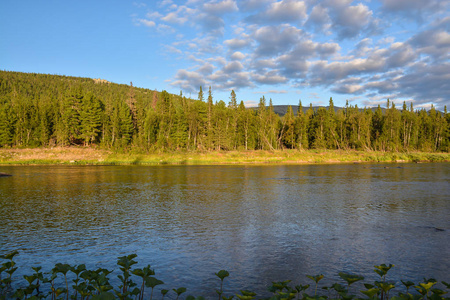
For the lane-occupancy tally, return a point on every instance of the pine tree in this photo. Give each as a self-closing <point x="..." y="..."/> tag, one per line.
<point x="330" y="127"/>
<point x="90" y="119"/>
<point x="70" y="114"/>
<point x="288" y="132"/>
<point x="181" y="128"/>
<point x="391" y="127"/>
<point x="301" y="128"/>
<point x="220" y="123"/>
<point x="233" y="119"/>
<point x="200" y="94"/>
<point x="151" y="127"/>
<point x="7" y="120"/>
<point x="125" y="125"/>
<point x="318" y="128"/>
<point x="131" y="102"/>
<point x="233" y="100"/>
<point x="210" y="130"/>
<point x="377" y="130"/>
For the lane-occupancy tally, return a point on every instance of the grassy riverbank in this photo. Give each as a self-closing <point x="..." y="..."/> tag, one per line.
<point x="92" y="156"/>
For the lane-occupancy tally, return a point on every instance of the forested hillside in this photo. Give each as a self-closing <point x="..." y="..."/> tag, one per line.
<point x="39" y="110"/>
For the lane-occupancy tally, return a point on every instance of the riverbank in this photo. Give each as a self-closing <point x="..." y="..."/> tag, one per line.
<point x="92" y="156"/>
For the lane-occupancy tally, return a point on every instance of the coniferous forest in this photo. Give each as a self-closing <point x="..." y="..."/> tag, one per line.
<point x="38" y="110"/>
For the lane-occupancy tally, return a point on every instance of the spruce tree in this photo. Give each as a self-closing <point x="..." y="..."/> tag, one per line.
<point x="90" y="119"/>
<point x="7" y="120"/>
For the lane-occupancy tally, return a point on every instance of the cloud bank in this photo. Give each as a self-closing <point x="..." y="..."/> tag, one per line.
<point x="370" y="50"/>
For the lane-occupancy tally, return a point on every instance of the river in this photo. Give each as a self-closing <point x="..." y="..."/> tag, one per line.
<point x="261" y="223"/>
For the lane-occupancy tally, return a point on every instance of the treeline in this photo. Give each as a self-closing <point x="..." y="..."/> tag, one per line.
<point x="38" y="110"/>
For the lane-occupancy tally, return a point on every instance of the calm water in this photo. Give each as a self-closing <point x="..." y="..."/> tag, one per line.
<point x="261" y="223"/>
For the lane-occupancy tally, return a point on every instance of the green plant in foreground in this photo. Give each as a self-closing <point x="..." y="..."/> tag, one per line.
<point x="350" y="279"/>
<point x="145" y="274"/>
<point x="94" y="285"/>
<point x="151" y="282"/>
<point x="282" y="290"/>
<point x="163" y="293"/>
<point x="63" y="269"/>
<point x="179" y="291"/>
<point x="299" y="288"/>
<point x="316" y="279"/>
<point x="384" y="286"/>
<point x="222" y="274"/>
<point x="125" y="263"/>
<point x="246" y="295"/>
<point x="9" y="268"/>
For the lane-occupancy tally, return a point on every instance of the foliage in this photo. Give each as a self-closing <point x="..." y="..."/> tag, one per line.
<point x="95" y="284"/>
<point x="38" y="110"/>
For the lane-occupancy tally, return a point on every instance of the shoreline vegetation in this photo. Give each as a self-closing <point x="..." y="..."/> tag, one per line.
<point x="45" y="111"/>
<point x="78" y="282"/>
<point x="98" y="156"/>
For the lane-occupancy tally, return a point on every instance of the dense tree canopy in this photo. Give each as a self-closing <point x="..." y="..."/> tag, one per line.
<point x="39" y="110"/>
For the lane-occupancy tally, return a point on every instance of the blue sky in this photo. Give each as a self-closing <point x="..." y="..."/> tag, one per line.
<point x="287" y="50"/>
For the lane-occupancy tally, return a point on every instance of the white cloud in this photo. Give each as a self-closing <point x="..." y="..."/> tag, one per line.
<point x="271" y="77"/>
<point x="147" y="23"/>
<point x="273" y="40"/>
<point x="237" y="55"/>
<point x="319" y="19"/>
<point x="165" y="29"/>
<point x="166" y="2"/>
<point x="153" y="15"/>
<point x="221" y="7"/>
<point x="237" y="43"/>
<point x="350" y="21"/>
<point x="233" y="67"/>
<point x="414" y="7"/>
<point x="272" y="92"/>
<point x="286" y="11"/>
<point x="331" y="44"/>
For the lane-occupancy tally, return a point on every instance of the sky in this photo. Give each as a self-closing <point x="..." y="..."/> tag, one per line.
<point x="286" y="50"/>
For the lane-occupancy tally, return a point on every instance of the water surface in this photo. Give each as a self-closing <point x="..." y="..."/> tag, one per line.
<point x="261" y="223"/>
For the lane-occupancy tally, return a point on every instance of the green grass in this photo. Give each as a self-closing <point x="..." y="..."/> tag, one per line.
<point x="90" y="156"/>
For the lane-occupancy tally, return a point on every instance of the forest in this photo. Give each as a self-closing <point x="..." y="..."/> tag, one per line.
<point x="39" y="110"/>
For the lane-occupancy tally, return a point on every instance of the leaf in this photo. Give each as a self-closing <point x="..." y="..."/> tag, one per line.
<point x="164" y="291"/>
<point x="222" y="274"/>
<point x="180" y="290"/>
<point x="248" y="293"/>
<point x="371" y="292"/>
<point x="386" y="286"/>
<point x="438" y="292"/>
<point x="350" y="278"/>
<point x="62" y="268"/>
<point x="427" y="286"/>
<point x="316" y="278"/>
<point x="300" y="287"/>
<point x="138" y="272"/>
<point x="135" y="292"/>
<point x="151" y="282"/>
<point x="10" y="255"/>
<point x="30" y="279"/>
<point x="383" y="269"/>
<point x="408" y="284"/>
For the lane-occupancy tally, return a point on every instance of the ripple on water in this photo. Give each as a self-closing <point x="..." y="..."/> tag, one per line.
<point x="261" y="223"/>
